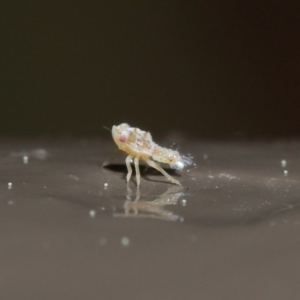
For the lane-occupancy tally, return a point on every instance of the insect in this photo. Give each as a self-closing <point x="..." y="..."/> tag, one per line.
<point x="138" y="144"/>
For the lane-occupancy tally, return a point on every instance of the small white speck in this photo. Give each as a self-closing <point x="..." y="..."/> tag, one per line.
<point x="285" y="172"/>
<point x="205" y="156"/>
<point x="10" y="202"/>
<point x="103" y="208"/>
<point x="25" y="159"/>
<point x="103" y="241"/>
<point x="183" y="202"/>
<point x="283" y="163"/>
<point x="125" y="241"/>
<point x="92" y="213"/>
<point x="45" y="187"/>
<point x="9" y="185"/>
<point x="105" y="185"/>
<point x="73" y="177"/>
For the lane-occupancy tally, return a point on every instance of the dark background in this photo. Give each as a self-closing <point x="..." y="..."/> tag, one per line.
<point x="211" y="69"/>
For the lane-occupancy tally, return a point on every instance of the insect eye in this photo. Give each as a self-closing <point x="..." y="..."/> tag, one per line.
<point x="123" y="138"/>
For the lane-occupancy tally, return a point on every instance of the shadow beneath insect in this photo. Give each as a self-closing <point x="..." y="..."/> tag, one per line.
<point x="144" y="169"/>
<point x="155" y="209"/>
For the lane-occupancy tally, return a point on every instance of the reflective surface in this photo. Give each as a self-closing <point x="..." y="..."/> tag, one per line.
<point x="72" y="229"/>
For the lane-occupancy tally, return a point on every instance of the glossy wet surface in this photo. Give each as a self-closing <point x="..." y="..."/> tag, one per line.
<point x="72" y="229"/>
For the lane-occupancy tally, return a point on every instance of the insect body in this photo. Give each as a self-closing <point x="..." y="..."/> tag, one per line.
<point x="140" y="146"/>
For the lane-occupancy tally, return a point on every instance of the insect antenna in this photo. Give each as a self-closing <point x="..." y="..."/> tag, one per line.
<point x="106" y="128"/>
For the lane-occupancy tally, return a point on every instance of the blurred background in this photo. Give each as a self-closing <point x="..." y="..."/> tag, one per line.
<point x="209" y="69"/>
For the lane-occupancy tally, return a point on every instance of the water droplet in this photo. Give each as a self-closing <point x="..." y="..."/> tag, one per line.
<point x="92" y="213"/>
<point x="283" y="163"/>
<point x="125" y="241"/>
<point x="103" y="241"/>
<point x="183" y="202"/>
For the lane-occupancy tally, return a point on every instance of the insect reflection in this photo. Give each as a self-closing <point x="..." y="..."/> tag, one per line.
<point x="138" y="208"/>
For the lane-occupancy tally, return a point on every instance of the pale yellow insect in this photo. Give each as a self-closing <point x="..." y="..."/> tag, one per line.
<point x="140" y="146"/>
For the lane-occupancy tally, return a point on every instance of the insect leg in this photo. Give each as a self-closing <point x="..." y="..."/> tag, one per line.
<point x="160" y="169"/>
<point x="128" y="161"/>
<point x="137" y="171"/>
